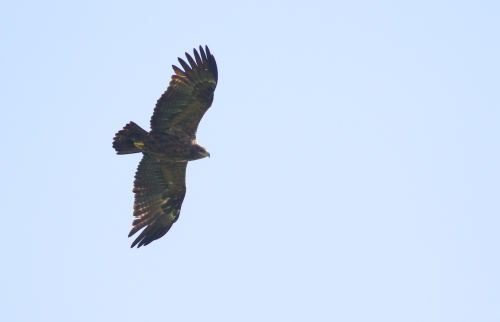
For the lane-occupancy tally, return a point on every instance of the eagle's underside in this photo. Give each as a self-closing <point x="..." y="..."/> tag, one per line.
<point x="160" y="180"/>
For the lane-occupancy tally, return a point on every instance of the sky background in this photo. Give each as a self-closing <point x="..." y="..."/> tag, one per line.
<point x="354" y="172"/>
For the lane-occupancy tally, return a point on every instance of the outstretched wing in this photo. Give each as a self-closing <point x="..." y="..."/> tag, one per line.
<point x="159" y="189"/>
<point x="189" y="95"/>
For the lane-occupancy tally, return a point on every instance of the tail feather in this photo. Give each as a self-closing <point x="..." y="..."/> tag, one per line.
<point x="123" y="141"/>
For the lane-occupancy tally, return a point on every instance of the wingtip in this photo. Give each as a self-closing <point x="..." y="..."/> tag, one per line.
<point x="178" y="71"/>
<point x="184" y="65"/>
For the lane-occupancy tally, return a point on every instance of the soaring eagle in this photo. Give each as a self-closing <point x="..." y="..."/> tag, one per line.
<point x="160" y="180"/>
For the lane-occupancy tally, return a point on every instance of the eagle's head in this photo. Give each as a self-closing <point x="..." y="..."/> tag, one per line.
<point x="200" y="152"/>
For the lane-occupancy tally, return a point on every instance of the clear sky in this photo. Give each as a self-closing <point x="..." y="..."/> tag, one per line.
<point x="354" y="172"/>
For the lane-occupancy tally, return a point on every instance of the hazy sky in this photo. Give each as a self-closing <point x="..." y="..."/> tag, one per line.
<point x="354" y="172"/>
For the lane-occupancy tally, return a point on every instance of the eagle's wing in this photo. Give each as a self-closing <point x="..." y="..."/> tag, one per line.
<point x="159" y="189"/>
<point x="189" y="95"/>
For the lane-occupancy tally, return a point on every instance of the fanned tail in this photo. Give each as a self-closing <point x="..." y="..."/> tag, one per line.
<point x="123" y="141"/>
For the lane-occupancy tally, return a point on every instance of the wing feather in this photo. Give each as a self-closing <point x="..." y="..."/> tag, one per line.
<point x="178" y="71"/>
<point x="184" y="65"/>
<point x="191" y="62"/>
<point x="199" y="62"/>
<point x="204" y="58"/>
<point x="159" y="189"/>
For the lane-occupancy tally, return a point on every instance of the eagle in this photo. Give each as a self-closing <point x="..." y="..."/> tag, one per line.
<point x="160" y="180"/>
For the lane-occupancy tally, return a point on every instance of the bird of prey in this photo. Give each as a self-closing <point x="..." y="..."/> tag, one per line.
<point x="160" y="180"/>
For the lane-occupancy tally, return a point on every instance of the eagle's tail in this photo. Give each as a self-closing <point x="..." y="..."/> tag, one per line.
<point x="129" y="139"/>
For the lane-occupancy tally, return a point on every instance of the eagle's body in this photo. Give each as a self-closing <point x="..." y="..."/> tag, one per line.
<point x="160" y="181"/>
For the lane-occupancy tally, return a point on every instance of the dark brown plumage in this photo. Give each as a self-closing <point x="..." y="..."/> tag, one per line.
<point x="160" y="180"/>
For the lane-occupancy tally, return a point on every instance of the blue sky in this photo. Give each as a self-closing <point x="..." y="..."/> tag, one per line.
<point x="354" y="172"/>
